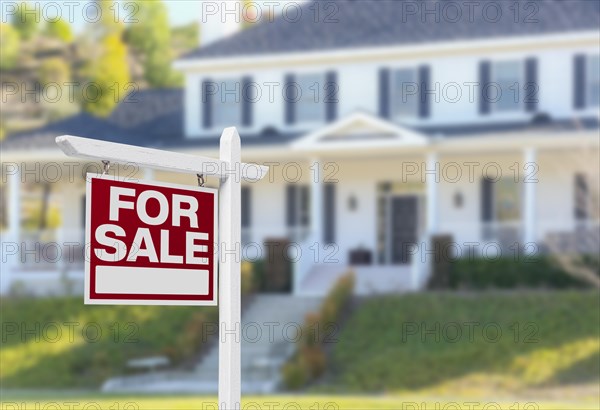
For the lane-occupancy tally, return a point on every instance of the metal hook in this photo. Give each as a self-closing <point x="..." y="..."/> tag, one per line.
<point x="105" y="167"/>
<point x="200" y="179"/>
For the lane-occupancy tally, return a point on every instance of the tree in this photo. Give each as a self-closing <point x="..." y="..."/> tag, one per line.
<point x="108" y="76"/>
<point x="59" y="29"/>
<point x="110" y="22"/>
<point x="108" y="73"/>
<point x="151" y="36"/>
<point x="54" y="70"/>
<point x="9" y="46"/>
<point x="53" y="73"/>
<point x="26" y="20"/>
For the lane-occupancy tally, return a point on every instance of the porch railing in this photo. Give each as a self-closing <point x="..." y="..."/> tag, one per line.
<point x="505" y="234"/>
<point x="50" y="250"/>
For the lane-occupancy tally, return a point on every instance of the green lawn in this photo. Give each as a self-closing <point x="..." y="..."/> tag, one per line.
<point x="549" y="341"/>
<point x="316" y="402"/>
<point x="383" y="356"/>
<point x="62" y="343"/>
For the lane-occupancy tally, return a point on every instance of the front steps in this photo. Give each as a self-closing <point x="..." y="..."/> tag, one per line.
<point x="269" y="330"/>
<point x="369" y="280"/>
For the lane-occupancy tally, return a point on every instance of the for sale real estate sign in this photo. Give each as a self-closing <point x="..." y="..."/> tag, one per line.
<point x="150" y="243"/>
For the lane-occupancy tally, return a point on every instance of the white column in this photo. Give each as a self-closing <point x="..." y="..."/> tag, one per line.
<point x="229" y="273"/>
<point x="11" y="240"/>
<point x="418" y="268"/>
<point x="69" y="234"/>
<point x="530" y="182"/>
<point x="316" y="201"/>
<point x="432" y="193"/>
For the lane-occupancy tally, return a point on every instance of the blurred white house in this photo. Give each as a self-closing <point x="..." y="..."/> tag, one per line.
<point x="385" y="123"/>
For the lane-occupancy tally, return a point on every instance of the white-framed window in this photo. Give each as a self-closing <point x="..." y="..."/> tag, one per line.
<point x="508" y="78"/>
<point x="507" y="200"/>
<point x="298" y="211"/>
<point x="593" y="80"/>
<point x="405" y="95"/>
<point x="310" y="105"/>
<point x="227" y="102"/>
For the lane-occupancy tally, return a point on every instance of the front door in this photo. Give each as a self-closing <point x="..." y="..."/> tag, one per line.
<point x="403" y="227"/>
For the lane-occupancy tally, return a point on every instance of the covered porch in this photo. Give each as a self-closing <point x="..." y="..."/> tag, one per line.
<point x="360" y="194"/>
<point x="508" y="195"/>
<point x="43" y="237"/>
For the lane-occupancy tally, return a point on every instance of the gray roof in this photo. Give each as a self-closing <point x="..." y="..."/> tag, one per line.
<point x="343" y="24"/>
<point x="80" y="124"/>
<point x="149" y="118"/>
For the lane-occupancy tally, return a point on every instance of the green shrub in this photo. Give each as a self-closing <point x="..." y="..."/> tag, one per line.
<point x="315" y="360"/>
<point x="337" y="298"/>
<point x="507" y="273"/>
<point x="248" y="278"/>
<point x="253" y="276"/>
<point x="311" y="329"/>
<point x="592" y="262"/>
<point x="295" y="375"/>
<point x="310" y="361"/>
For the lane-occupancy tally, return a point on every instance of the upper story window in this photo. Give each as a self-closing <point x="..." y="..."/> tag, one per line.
<point x="310" y="98"/>
<point x="509" y="86"/>
<point x="228" y="102"/>
<point x="227" y="107"/>
<point x="309" y="105"/>
<point x="405" y="98"/>
<point x="593" y="85"/>
<point x="508" y="79"/>
<point x="405" y="92"/>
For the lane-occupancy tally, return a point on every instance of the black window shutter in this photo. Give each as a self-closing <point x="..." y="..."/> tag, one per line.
<point x="247" y="103"/>
<point x="581" y="197"/>
<point x="384" y="93"/>
<point x="329" y="214"/>
<point x="290" y="98"/>
<point x="331" y="96"/>
<point x="579" y="80"/>
<point x="531" y="85"/>
<point x="424" y="85"/>
<point x="303" y="218"/>
<point x="206" y="103"/>
<point x="246" y="207"/>
<point x="291" y="205"/>
<point x="484" y="79"/>
<point x="487" y="197"/>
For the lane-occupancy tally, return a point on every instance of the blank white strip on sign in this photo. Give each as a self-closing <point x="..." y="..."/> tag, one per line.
<point x="157" y="281"/>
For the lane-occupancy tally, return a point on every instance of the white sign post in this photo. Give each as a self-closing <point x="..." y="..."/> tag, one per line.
<point x="230" y="171"/>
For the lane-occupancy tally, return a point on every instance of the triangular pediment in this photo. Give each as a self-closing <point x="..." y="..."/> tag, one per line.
<point x="360" y="129"/>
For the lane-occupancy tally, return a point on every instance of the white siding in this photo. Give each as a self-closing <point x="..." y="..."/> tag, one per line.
<point x="359" y="88"/>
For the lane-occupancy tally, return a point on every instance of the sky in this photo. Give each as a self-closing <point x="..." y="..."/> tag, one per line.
<point x="180" y="11"/>
<point x="75" y="11"/>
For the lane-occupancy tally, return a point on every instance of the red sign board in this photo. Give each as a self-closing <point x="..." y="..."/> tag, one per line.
<point x="150" y="243"/>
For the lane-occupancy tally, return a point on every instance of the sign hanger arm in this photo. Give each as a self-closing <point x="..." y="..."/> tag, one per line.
<point x="158" y="159"/>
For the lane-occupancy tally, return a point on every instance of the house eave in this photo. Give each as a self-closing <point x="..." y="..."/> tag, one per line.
<point x="584" y="38"/>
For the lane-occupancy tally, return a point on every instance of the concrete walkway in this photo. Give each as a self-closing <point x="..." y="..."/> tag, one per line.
<point x="269" y="332"/>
